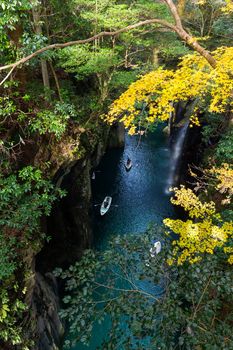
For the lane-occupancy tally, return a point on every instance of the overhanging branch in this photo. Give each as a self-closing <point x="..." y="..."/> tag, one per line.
<point x="88" y="40"/>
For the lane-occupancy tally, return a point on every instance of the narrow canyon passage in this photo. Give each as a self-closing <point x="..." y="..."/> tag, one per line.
<point x="139" y="197"/>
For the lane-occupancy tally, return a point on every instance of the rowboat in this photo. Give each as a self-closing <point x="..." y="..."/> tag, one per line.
<point x="93" y="176"/>
<point x="128" y="165"/>
<point x="105" y="205"/>
<point x="156" y="249"/>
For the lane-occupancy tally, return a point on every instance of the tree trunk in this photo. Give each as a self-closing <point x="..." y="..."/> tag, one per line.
<point x="197" y="47"/>
<point x="56" y="81"/>
<point x="38" y="30"/>
<point x="155" y="59"/>
<point x="186" y="37"/>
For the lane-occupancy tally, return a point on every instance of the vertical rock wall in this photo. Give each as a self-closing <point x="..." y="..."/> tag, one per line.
<point x="69" y="227"/>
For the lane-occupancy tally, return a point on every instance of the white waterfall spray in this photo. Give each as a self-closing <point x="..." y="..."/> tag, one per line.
<point x="176" y="156"/>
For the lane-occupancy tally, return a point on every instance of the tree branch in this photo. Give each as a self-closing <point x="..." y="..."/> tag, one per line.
<point x="187" y="37"/>
<point x="178" y="28"/>
<point x="88" y="40"/>
<point x="7" y="76"/>
<point x="174" y="13"/>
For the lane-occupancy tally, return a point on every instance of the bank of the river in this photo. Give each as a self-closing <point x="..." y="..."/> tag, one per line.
<point x="139" y="196"/>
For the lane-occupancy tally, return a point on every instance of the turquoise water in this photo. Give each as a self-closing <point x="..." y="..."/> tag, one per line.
<point x="138" y="196"/>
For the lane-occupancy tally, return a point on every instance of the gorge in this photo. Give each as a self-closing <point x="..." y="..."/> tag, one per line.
<point x="84" y="86"/>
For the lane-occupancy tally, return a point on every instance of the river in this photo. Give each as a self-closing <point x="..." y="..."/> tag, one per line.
<point x="139" y="197"/>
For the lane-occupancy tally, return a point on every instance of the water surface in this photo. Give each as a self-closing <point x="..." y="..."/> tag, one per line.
<point x="139" y="197"/>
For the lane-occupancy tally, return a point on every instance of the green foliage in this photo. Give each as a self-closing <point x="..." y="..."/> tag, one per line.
<point x="114" y="15"/>
<point x="174" y="51"/>
<point x="7" y="256"/>
<point x="32" y="42"/>
<point x="102" y="69"/>
<point x="212" y="128"/>
<point x="7" y="107"/>
<point x="11" y="309"/>
<point x="24" y="198"/>
<point x="102" y="60"/>
<point x="122" y="79"/>
<point x="148" y="304"/>
<point x="222" y="30"/>
<point x="12" y="11"/>
<point x="13" y="14"/>
<point x="224" y="150"/>
<point x="109" y="14"/>
<point x="54" y="121"/>
<point x="207" y="21"/>
<point x="84" y="100"/>
<point x="85" y="60"/>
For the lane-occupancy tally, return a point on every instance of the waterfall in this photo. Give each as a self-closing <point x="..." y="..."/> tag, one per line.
<point x="176" y="154"/>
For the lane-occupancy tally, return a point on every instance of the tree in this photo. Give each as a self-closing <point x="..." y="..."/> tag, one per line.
<point x="204" y="231"/>
<point x="36" y="13"/>
<point x="177" y="28"/>
<point x="145" y="304"/>
<point x="149" y="98"/>
<point x="25" y="197"/>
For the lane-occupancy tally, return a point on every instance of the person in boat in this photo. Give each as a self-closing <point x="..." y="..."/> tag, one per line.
<point x="128" y="161"/>
<point x="105" y="204"/>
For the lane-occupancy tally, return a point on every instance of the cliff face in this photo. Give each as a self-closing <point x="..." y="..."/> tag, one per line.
<point x="44" y="304"/>
<point x="190" y="148"/>
<point x="69" y="227"/>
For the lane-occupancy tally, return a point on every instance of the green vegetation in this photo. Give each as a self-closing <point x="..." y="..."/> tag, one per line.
<point x="192" y="311"/>
<point x="224" y="150"/>
<point x="50" y="109"/>
<point x="25" y="197"/>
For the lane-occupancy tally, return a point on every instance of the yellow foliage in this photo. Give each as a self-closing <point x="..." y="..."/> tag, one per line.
<point x="228" y="6"/>
<point x="224" y="176"/>
<point x="156" y="91"/>
<point x="186" y="198"/>
<point x="201" y="235"/>
<point x="229" y="250"/>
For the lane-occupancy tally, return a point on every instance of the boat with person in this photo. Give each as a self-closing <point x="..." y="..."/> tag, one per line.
<point x="105" y="205"/>
<point x="156" y="249"/>
<point x="128" y="164"/>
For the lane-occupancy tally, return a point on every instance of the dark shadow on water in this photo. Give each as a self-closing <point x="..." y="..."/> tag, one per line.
<point x="138" y="197"/>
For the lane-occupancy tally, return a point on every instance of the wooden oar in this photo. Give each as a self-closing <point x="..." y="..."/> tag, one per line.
<point x="114" y="205"/>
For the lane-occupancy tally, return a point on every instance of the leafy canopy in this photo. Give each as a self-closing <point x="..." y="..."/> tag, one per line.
<point x="156" y="92"/>
<point x="143" y="303"/>
<point x="204" y="234"/>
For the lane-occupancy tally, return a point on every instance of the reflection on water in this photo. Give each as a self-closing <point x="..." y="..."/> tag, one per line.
<point x="138" y="196"/>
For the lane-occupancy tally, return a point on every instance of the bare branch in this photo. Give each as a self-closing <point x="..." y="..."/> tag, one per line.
<point x="174" y="13"/>
<point x="187" y="37"/>
<point x="7" y="76"/>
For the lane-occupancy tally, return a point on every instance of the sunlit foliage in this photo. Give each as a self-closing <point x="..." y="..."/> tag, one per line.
<point x="224" y="175"/>
<point x="228" y="6"/>
<point x="118" y="285"/>
<point x="151" y="98"/>
<point x="204" y="234"/>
